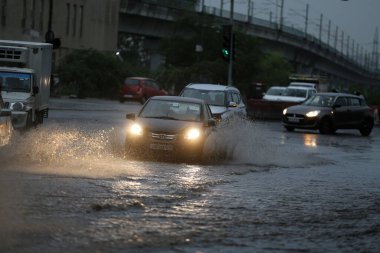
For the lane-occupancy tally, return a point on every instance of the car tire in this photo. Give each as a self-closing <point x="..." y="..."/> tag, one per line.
<point x="325" y="126"/>
<point x="366" y="127"/>
<point x="121" y="100"/>
<point x="289" y="129"/>
<point x="142" y="100"/>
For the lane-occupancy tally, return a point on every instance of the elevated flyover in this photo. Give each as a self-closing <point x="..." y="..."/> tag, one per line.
<point x="309" y="54"/>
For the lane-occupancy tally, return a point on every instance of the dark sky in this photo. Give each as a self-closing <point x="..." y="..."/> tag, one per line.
<point x="357" y="18"/>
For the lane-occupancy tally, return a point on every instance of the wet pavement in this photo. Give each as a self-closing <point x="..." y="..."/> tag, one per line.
<point x="67" y="186"/>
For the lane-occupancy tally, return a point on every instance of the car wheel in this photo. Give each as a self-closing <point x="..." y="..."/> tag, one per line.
<point x="325" y="126"/>
<point x="366" y="127"/>
<point x="290" y="129"/>
<point x="121" y="100"/>
<point x="142" y="100"/>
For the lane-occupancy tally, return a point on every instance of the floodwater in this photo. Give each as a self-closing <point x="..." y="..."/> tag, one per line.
<point x="67" y="186"/>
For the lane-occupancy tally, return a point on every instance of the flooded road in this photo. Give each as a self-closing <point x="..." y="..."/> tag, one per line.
<point x="67" y="186"/>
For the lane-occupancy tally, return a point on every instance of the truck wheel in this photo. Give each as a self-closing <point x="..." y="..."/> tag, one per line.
<point x="29" y="122"/>
<point x="40" y="117"/>
<point x="366" y="127"/>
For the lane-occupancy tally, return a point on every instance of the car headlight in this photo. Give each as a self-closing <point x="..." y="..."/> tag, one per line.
<point x="192" y="134"/>
<point x="135" y="129"/>
<point x="17" y="106"/>
<point x="312" y="114"/>
<point x="285" y="111"/>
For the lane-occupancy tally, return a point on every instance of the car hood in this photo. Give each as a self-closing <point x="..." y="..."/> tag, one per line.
<point x="302" y="109"/>
<point x="273" y="97"/>
<point x="218" y="109"/>
<point x="290" y="99"/>
<point x="15" y="96"/>
<point x="166" y="126"/>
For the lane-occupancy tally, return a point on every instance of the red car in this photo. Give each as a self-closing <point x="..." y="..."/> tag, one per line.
<point x="139" y="89"/>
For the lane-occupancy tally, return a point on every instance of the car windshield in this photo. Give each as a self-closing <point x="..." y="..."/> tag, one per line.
<point x="175" y="110"/>
<point x="212" y="97"/>
<point x="295" y="92"/>
<point x="275" y="91"/>
<point x="15" y="82"/>
<point x="320" y="101"/>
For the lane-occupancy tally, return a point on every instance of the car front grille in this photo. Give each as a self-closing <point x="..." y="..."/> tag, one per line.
<point x="163" y="136"/>
<point x="294" y="115"/>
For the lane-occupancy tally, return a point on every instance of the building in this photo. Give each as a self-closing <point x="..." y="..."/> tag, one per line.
<point x="78" y="24"/>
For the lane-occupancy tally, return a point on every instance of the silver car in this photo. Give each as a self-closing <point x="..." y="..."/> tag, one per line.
<point x="224" y="101"/>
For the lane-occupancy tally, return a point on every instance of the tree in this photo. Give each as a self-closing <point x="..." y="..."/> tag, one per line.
<point x="89" y="73"/>
<point x="274" y="69"/>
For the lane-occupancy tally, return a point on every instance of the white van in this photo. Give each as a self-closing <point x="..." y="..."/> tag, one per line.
<point x="304" y="84"/>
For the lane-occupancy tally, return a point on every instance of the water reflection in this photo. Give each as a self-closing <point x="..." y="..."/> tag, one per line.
<point x="310" y="140"/>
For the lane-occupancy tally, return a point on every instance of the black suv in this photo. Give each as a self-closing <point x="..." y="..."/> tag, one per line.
<point x="329" y="112"/>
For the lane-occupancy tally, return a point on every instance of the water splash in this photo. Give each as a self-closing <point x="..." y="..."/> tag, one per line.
<point x="241" y="141"/>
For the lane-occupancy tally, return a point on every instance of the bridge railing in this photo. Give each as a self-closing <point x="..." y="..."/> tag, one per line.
<point x="171" y="9"/>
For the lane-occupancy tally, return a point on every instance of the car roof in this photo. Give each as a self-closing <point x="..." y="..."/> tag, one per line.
<point x="178" y="99"/>
<point x="337" y="94"/>
<point x="300" y="88"/>
<point x="208" y="86"/>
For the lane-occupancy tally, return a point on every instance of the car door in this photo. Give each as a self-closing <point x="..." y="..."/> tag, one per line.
<point x="149" y="90"/>
<point x="356" y="111"/>
<point x="240" y="106"/>
<point x="341" y="112"/>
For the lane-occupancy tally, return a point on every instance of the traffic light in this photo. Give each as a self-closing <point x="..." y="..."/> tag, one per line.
<point x="226" y="47"/>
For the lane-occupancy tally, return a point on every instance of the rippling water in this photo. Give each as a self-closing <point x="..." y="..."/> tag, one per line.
<point x="259" y="191"/>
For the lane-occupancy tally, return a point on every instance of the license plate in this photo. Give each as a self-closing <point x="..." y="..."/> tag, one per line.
<point x="128" y="96"/>
<point x="159" y="146"/>
<point x="294" y="119"/>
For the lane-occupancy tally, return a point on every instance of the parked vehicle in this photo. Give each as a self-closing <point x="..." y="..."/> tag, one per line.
<point x="303" y="84"/>
<point x="297" y="93"/>
<point x="224" y="101"/>
<point x="139" y="89"/>
<point x="272" y="108"/>
<point x="329" y="112"/>
<point x="274" y="93"/>
<point x="169" y="126"/>
<point x="25" y="70"/>
<point x="5" y="124"/>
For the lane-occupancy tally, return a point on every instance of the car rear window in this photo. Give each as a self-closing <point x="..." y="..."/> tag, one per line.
<point x="131" y="82"/>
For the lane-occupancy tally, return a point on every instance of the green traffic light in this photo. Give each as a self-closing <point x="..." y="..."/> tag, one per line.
<point x="225" y="52"/>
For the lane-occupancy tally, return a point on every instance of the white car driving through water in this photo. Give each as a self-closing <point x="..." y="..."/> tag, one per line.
<point x="224" y="101"/>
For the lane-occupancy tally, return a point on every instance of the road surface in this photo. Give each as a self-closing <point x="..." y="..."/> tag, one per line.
<point x="67" y="186"/>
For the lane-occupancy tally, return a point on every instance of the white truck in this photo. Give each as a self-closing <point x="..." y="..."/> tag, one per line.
<point x="25" y="70"/>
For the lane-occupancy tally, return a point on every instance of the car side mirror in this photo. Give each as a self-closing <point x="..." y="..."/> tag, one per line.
<point x="131" y="116"/>
<point x="232" y="104"/>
